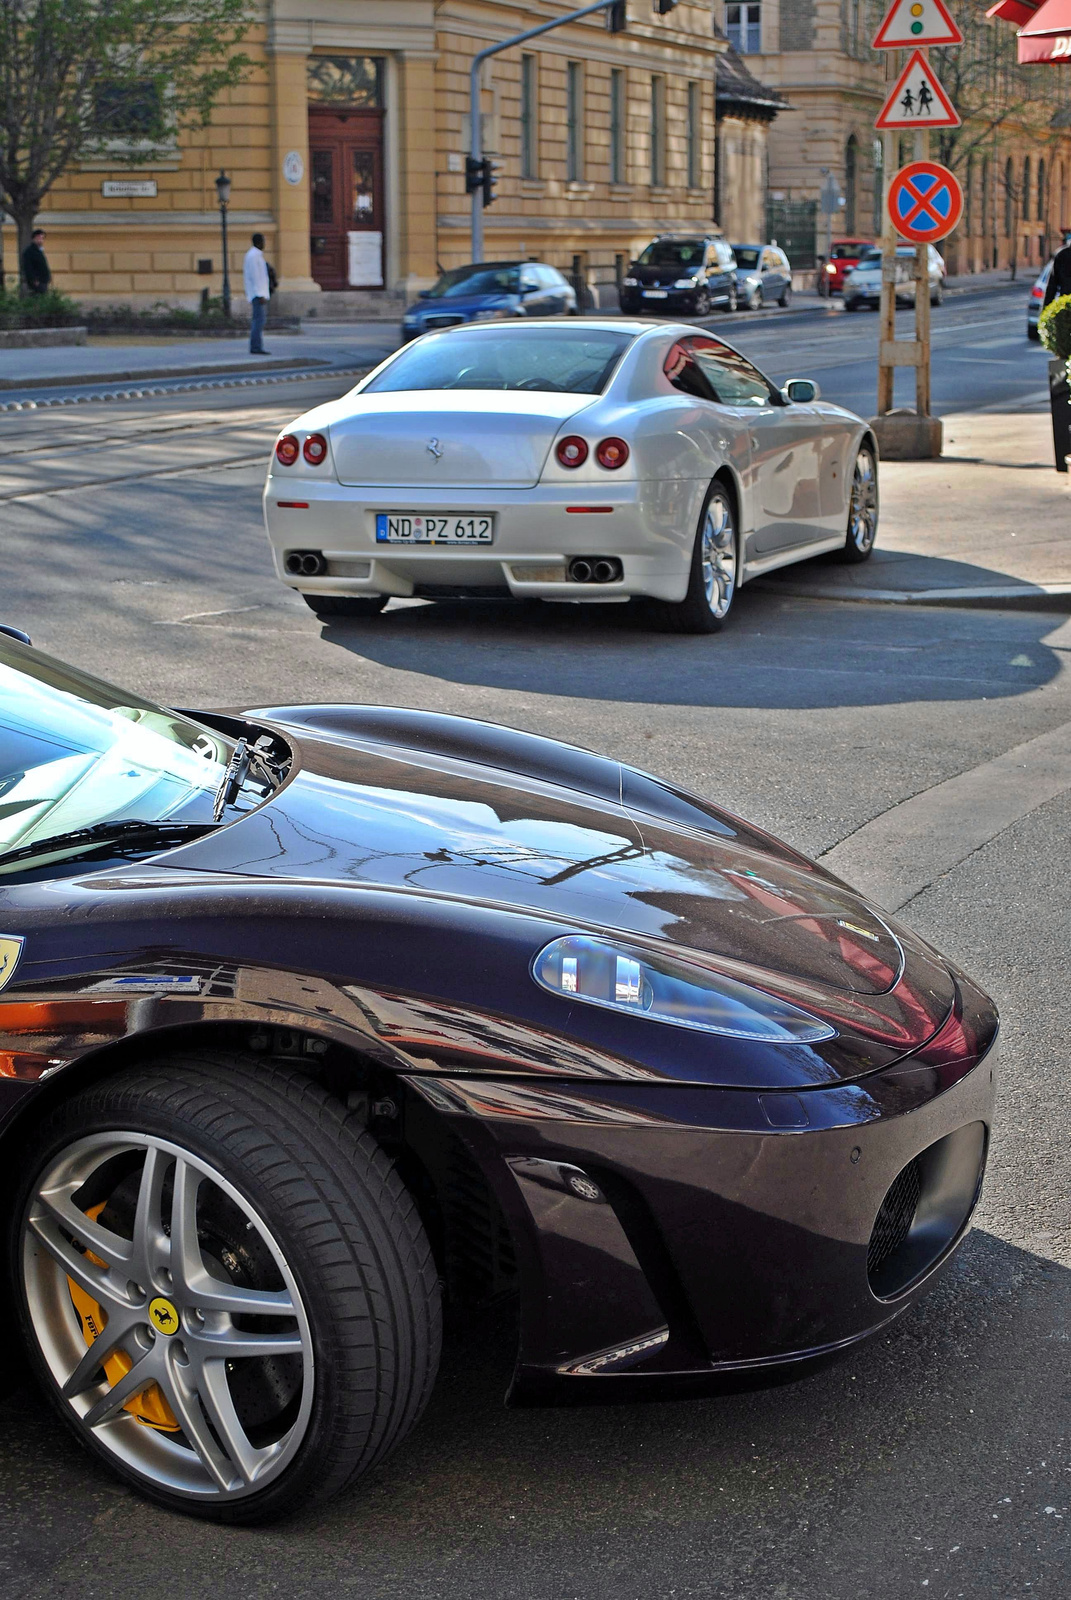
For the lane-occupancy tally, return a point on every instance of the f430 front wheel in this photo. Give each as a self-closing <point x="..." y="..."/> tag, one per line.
<point x="224" y="1286"/>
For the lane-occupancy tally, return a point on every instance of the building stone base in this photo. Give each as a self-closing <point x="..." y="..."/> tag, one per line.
<point x="342" y="305"/>
<point x="905" y="436"/>
<point x="40" y="338"/>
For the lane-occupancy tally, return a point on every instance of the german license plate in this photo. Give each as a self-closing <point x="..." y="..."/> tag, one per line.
<point x="416" y="527"/>
<point x="656" y="294"/>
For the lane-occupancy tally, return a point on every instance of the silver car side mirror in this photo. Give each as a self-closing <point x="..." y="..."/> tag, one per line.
<point x="799" y="391"/>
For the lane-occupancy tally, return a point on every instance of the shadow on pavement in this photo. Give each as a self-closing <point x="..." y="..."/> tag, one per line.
<point x="902" y="570"/>
<point x="935" y="1455"/>
<point x="771" y="654"/>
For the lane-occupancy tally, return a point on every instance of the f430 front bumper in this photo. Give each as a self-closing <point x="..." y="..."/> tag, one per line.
<point x="673" y="1237"/>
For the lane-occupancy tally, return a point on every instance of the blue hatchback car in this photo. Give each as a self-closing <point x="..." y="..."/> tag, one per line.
<point x="490" y="289"/>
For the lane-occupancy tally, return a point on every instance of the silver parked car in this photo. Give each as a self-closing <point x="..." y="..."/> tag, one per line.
<point x="1035" y="305"/>
<point x="597" y="461"/>
<point x="763" y="275"/>
<point x="862" y="286"/>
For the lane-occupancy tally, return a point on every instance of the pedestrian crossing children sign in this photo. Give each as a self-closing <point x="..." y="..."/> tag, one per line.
<point x="917" y="22"/>
<point x="917" y="99"/>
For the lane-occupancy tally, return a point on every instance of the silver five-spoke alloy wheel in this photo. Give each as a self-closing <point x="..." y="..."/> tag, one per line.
<point x="863" y="509"/>
<point x="718" y="556"/>
<point x="167" y="1315"/>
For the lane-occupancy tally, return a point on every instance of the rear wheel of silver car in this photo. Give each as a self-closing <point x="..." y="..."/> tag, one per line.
<point x="223" y="1285"/>
<point x="345" y="605"/>
<point x="712" y="577"/>
<point x="862" y="508"/>
<point x="786" y="295"/>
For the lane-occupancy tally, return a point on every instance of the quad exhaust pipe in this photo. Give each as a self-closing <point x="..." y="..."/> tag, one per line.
<point x="305" y="563"/>
<point x="595" y="569"/>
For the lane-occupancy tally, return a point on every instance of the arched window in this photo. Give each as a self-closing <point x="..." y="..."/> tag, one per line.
<point x="1040" y="213"/>
<point x="851" y="162"/>
<point x="1009" y="197"/>
<point x="985" y="196"/>
<point x="879" y="185"/>
<point x="1027" y="197"/>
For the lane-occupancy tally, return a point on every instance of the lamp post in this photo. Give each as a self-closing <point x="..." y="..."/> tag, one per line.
<point x="223" y="189"/>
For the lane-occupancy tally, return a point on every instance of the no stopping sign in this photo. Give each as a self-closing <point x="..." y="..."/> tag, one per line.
<point x="925" y="202"/>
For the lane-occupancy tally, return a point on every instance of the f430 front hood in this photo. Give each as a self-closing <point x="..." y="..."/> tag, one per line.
<point x="437" y="822"/>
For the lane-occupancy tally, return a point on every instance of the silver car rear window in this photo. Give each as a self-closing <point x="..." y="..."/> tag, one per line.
<point x="555" y="360"/>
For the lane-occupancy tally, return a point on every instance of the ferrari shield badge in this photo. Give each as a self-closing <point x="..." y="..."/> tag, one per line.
<point x="10" y="950"/>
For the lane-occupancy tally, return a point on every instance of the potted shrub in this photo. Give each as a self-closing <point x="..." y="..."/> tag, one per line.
<point x="1054" y="331"/>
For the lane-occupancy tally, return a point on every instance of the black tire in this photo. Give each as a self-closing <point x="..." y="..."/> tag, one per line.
<point x="757" y="299"/>
<point x="345" y="605"/>
<point x="937" y="296"/>
<point x="862" y="527"/>
<point x="732" y="302"/>
<point x="701" y="306"/>
<point x="699" y="611"/>
<point x="1032" y="333"/>
<point x="786" y="295"/>
<point x="851" y="305"/>
<point x="332" y="1206"/>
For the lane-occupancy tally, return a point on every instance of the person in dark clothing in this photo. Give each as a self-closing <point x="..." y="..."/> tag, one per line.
<point x="1060" y="276"/>
<point x="35" y="269"/>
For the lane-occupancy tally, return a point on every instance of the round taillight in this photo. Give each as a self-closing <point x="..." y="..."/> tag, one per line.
<point x="286" y="450"/>
<point x="315" y="449"/>
<point x="611" y="454"/>
<point x="572" y="450"/>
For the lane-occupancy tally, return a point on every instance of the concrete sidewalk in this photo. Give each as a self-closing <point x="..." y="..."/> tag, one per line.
<point x="988" y="524"/>
<point x="107" y="359"/>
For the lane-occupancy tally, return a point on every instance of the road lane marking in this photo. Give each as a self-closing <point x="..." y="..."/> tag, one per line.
<point x="897" y="855"/>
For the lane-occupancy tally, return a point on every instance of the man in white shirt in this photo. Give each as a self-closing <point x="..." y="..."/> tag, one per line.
<point x="257" y="292"/>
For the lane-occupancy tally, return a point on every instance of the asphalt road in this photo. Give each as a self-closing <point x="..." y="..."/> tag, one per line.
<point x="936" y="1460"/>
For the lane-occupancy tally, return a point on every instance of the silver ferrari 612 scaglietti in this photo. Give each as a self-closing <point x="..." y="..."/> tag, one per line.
<point x="593" y="461"/>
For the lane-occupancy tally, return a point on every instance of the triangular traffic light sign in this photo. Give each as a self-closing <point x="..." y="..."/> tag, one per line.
<point x="917" y="22"/>
<point x="918" y="100"/>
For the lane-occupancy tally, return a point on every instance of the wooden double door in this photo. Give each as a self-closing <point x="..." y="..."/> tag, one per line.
<point x="347" y="199"/>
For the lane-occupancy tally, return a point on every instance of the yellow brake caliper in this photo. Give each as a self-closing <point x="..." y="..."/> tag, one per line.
<point x="149" y="1406"/>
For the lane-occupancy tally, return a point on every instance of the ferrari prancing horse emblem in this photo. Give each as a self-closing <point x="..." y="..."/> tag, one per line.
<point x="10" y="950"/>
<point x="435" y="448"/>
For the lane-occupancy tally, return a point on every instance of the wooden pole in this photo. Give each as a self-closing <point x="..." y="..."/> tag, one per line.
<point x="922" y="300"/>
<point x="887" y="331"/>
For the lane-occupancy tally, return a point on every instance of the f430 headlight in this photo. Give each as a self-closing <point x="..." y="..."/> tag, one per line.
<point x="600" y="972"/>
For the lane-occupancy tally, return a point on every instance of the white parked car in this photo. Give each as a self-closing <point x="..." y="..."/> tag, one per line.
<point x="862" y="285"/>
<point x="574" y="462"/>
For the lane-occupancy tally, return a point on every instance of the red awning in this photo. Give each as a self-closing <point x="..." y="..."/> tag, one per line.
<point x="1046" y="36"/>
<point x="1017" y="11"/>
<point x="1044" y="27"/>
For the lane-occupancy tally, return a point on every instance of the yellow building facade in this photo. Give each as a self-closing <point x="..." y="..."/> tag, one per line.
<point x="346" y="145"/>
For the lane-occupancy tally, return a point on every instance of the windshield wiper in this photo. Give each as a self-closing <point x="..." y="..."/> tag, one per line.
<point x="128" y="833"/>
<point x="235" y="775"/>
<point x="258" y="759"/>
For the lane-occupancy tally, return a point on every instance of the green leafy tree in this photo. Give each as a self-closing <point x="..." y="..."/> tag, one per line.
<point x="122" y="77"/>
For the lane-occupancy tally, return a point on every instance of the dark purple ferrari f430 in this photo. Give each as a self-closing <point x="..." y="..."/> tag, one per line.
<point x="315" y="1017"/>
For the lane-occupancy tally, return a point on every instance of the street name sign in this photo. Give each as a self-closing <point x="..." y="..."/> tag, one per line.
<point x="917" y="22"/>
<point x="917" y="99"/>
<point x="925" y="202"/>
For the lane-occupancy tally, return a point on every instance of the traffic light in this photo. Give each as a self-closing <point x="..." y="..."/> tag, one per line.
<point x="480" y="175"/>
<point x="615" y="16"/>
